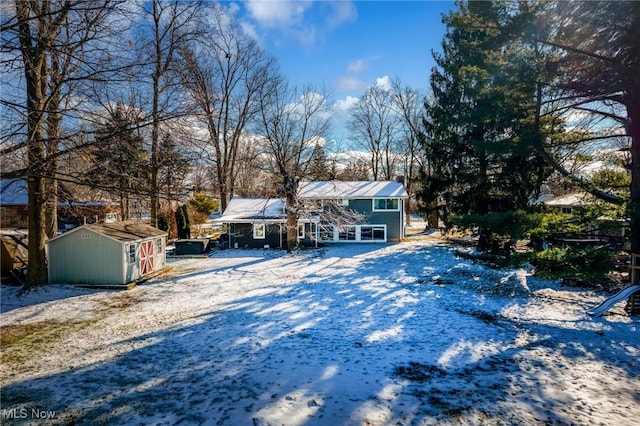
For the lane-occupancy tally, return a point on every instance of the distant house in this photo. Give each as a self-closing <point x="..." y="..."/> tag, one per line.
<point x="107" y="253"/>
<point x="574" y="202"/>
<point x="14" y="201"/>
<point x="331" y="212"/>
<point x="568" y="203"/>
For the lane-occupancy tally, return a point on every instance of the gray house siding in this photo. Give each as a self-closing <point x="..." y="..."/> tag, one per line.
<point x="86" y="257"/>
<point x="393" y="218"/>
<point x="242" y="235"/>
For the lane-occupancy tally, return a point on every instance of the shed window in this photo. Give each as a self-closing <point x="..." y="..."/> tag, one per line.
<point x="385" y="204"/>
<point x="158" y="245"/>
<point x="259" y="231"/>
<point x="131" y="249"/>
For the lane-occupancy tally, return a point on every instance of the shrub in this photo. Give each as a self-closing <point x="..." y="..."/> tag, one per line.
<point x="589" y="264"/>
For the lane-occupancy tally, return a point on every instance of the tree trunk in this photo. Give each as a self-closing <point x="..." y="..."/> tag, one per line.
<point x="37" y="267"/>
<point x="633" y="112"/>
<point x="292" y="221"/>
<point x="35" y="73"/>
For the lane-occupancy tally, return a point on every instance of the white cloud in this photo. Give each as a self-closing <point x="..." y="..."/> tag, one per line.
<point x="384" y="83"/>
<point x="349" y="84"/>
<point x="358" y="66"/>
<point x="341" y="12"/>
<point x="250" y="30"/>
<point x="346" y="103"/>
<point x="281" y="13"/>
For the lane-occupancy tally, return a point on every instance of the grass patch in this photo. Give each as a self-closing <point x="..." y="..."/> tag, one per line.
<point x="124" y="300"/>
<point x="21" y="342"/>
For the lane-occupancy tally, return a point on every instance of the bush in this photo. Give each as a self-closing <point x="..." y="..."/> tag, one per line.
<point x="589" y="264"/>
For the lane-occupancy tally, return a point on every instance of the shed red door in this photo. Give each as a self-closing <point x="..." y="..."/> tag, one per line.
<point x="146" y="257"/>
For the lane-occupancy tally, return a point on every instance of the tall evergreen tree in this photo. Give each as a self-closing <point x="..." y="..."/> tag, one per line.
<point x="601" y="77"/>
<point x="480" y="119"/>
<point x="318" y="167"/>
<point x="119" y="160"/>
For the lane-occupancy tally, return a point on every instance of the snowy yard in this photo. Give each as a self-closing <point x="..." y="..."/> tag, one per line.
<point x="403" y="334"/>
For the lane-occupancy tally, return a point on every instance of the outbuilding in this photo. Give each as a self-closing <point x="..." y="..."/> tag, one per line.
<point x="106" y="253"/>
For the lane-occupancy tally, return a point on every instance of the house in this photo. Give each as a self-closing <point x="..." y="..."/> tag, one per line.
<point x="14" y="203"/>
<point x="355" y="211"/>
<point x="106" y="253"/>
<point x="255" y="222"/>
<point x="568" y="203"/>
<point x="330" y="212"/>
<point x="598" y="230"/>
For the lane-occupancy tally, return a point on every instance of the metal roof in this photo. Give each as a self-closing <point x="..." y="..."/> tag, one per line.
<point x="351" y="189"/>
<point x="249" y="210"/>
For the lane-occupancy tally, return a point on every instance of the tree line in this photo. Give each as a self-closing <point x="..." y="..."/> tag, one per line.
<point x="149" y="103"/>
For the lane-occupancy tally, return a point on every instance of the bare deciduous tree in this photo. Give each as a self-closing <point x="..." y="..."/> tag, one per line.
<point x="408" y="104"/>
<point x="291" y="121"/>
<point x="223" y="72"/>
<point x="172" y="29"/>
<point x="49" y="42"/>
<point x="375" y="125"/>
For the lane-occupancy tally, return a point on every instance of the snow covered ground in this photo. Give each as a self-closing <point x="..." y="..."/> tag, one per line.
<point x="402" y="334"/>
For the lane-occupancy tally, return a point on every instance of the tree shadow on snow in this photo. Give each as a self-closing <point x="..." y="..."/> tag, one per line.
<point x="358" y="341"/>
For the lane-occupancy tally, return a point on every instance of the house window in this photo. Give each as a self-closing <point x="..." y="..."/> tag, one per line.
<point x="567" y="210"/>
<point x="347" y="233"/>
<point x="111" y="217"/>
<point x="373" y="233"/>
<point x="326" y="233"/>
<point x="259" y="231"/>
<point x="385" y="204"/>
<point x="131" y="250"/>
<point x="343" y="202"/>
<point x="301" y="230"/>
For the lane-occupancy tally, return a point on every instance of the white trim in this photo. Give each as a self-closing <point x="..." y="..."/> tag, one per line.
<point x="257" y="234"/>
<point x="129" y="253"/>
<point x="351" y="230"/>
<point x="374" y="209"/>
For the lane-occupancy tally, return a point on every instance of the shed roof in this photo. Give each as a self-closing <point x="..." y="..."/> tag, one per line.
<point x="249" y="210"/>
<point x="121" y="231"/>
<point x="351" y="189"/>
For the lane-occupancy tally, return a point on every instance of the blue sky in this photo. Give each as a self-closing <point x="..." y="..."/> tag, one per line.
<point x="346" y="46"/>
